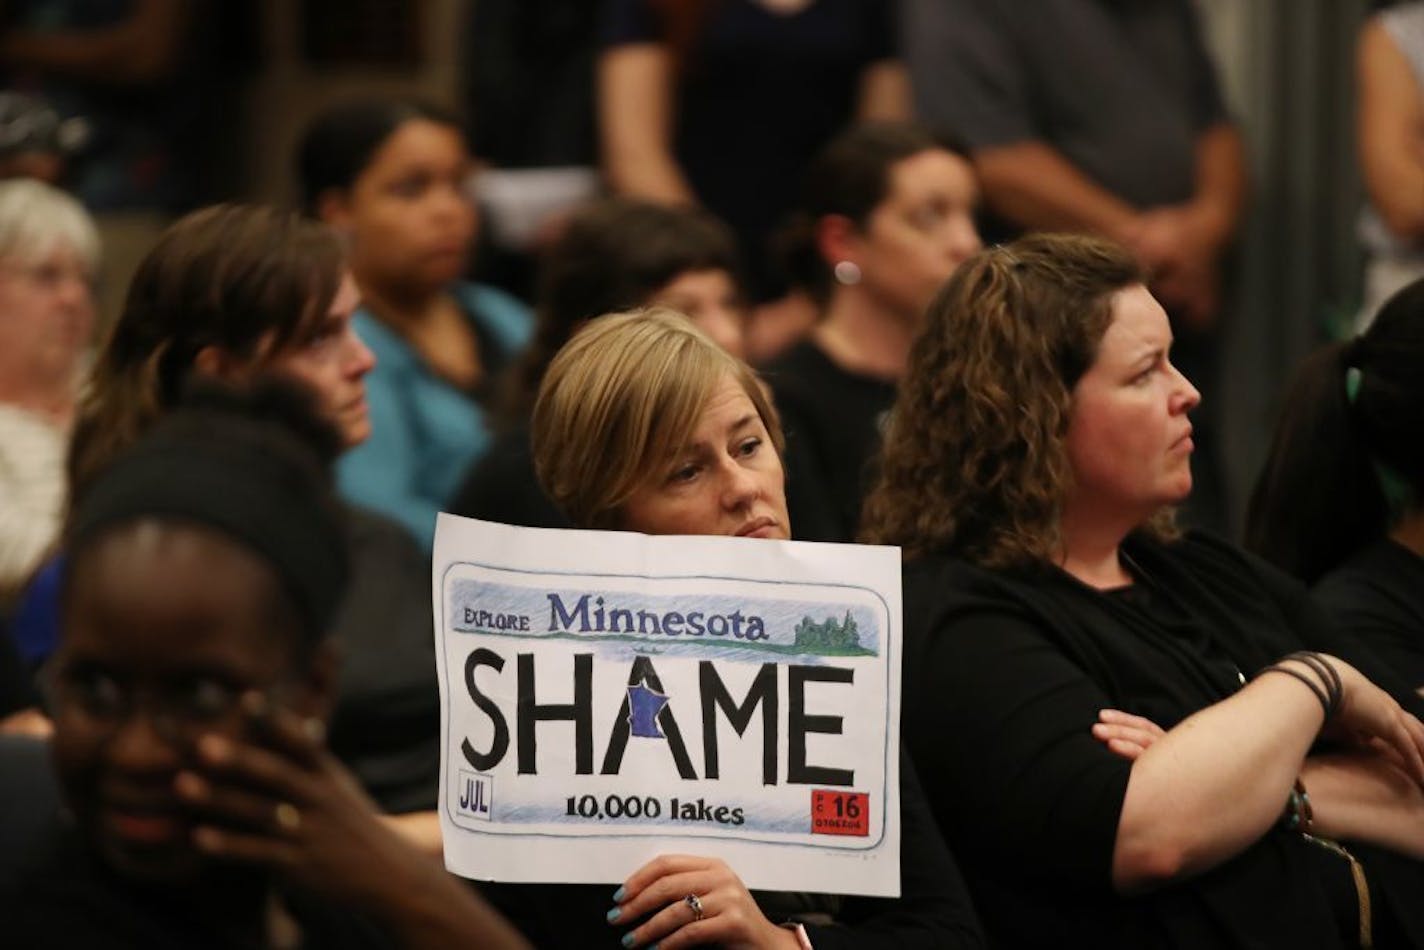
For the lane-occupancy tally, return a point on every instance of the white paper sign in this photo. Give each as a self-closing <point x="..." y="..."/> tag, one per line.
<point x="608" y="697"/>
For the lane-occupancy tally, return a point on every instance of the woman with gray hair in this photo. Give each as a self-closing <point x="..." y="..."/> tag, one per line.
<point x="49" y="251"/>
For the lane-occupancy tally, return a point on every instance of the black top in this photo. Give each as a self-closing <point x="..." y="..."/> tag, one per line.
<point x="66" y="898"/>
<point x="502" y="486"/>
<point x="386" y="725"/>
<point x="1004" y="675"/>
<point x="17" y="689"/>
<point x="833" y="421"/>
<point x="1378" y="596"/>
<point x="933" y="911"/>
<point x="758" y="94"/>
<point x="529" y="81"/>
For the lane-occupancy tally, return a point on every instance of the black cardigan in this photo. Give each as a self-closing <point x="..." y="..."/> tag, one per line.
<point x="1004" y="676"/>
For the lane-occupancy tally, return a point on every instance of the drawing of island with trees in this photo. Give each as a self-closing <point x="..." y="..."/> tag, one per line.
<point x="830" y="637"/>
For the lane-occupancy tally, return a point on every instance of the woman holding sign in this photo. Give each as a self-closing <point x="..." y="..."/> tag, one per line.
<point x="1268" y="796"/>
<point x="644" y="424"/>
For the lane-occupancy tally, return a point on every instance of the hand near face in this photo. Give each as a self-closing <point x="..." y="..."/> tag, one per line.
<point x="730" y="918"/>
<point x="291" y="807"/>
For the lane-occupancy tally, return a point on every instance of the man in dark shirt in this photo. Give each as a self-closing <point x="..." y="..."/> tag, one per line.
<point x="1099" y="116"/>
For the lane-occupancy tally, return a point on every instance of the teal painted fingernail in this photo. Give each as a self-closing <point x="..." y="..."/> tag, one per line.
<point x="618" y="895"/>
<point x="614" y="914"/>
<point x="628" y="939"/>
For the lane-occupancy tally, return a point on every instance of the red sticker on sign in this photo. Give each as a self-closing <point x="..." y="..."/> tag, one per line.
<point x="840" y="813"/>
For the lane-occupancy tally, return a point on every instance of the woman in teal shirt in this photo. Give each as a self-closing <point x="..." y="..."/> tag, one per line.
<point x="392" y="177"/>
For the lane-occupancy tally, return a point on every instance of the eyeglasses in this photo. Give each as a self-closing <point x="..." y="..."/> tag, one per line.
<point x="51" y="277"/>
<point x="181" y="710"/>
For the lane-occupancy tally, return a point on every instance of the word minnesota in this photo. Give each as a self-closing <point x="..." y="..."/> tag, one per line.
<point x="602" y="618"/>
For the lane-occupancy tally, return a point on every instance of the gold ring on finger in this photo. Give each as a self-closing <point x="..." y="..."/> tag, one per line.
<point x="288" y="818"/>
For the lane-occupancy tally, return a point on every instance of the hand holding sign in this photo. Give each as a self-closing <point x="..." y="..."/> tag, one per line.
<point x="694" y="901"/>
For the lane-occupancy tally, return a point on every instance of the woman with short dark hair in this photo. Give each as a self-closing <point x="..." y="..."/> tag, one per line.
<point x="392" y="177"/>
<point x="231" y="292"/>
<point x="887" y="214"/>
<point x="615" y="254"/>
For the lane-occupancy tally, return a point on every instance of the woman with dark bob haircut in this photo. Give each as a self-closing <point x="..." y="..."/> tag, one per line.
<point x="1121" y="731"/>
<point x="235" y="291"/>
<point x="886" y="216"/>
<point x="1339" y="501"/>
<point x="615" y="254"/>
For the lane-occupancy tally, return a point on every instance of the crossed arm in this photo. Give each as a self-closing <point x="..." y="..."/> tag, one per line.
<point x="1223" y="795"/>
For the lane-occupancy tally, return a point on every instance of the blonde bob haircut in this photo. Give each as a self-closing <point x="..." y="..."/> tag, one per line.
<point x="620" y="400"/>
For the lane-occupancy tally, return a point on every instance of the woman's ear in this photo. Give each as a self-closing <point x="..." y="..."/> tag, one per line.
<point x="219" y="363"/>
<point x="837" y="239"/>
<point x="333" y="209"/>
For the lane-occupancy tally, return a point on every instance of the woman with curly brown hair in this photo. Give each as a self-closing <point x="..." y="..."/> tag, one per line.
<point x="1038" y="443"/>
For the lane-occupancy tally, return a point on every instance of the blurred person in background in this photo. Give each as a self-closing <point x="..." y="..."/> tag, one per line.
<point x="886" y="216"/>
<point x="391" y="177"/>
<point x="1390" y="85"/>
<point x="49" y="254"/>
<point x="529" y="91"/>
<point x="1340" y="501"/>
<point x="723" y="102"/>
<point x="616" y="254"/>
<point x="34" y="141"/>
<point x="228" y="293"/>
<point x="1101" y="117"/>
<point x="142" y="75"/>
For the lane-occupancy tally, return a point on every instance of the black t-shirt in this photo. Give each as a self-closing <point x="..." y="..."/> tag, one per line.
<point x="758" y="95"/>
<point x="1378" y="596"/>
<point x="502" y="487"/>
<point x="833" y="422"/>
<point x="1004" y="676"/>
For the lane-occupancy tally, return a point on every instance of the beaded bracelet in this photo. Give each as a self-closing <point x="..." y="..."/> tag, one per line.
<point x="1299" y="816"/>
